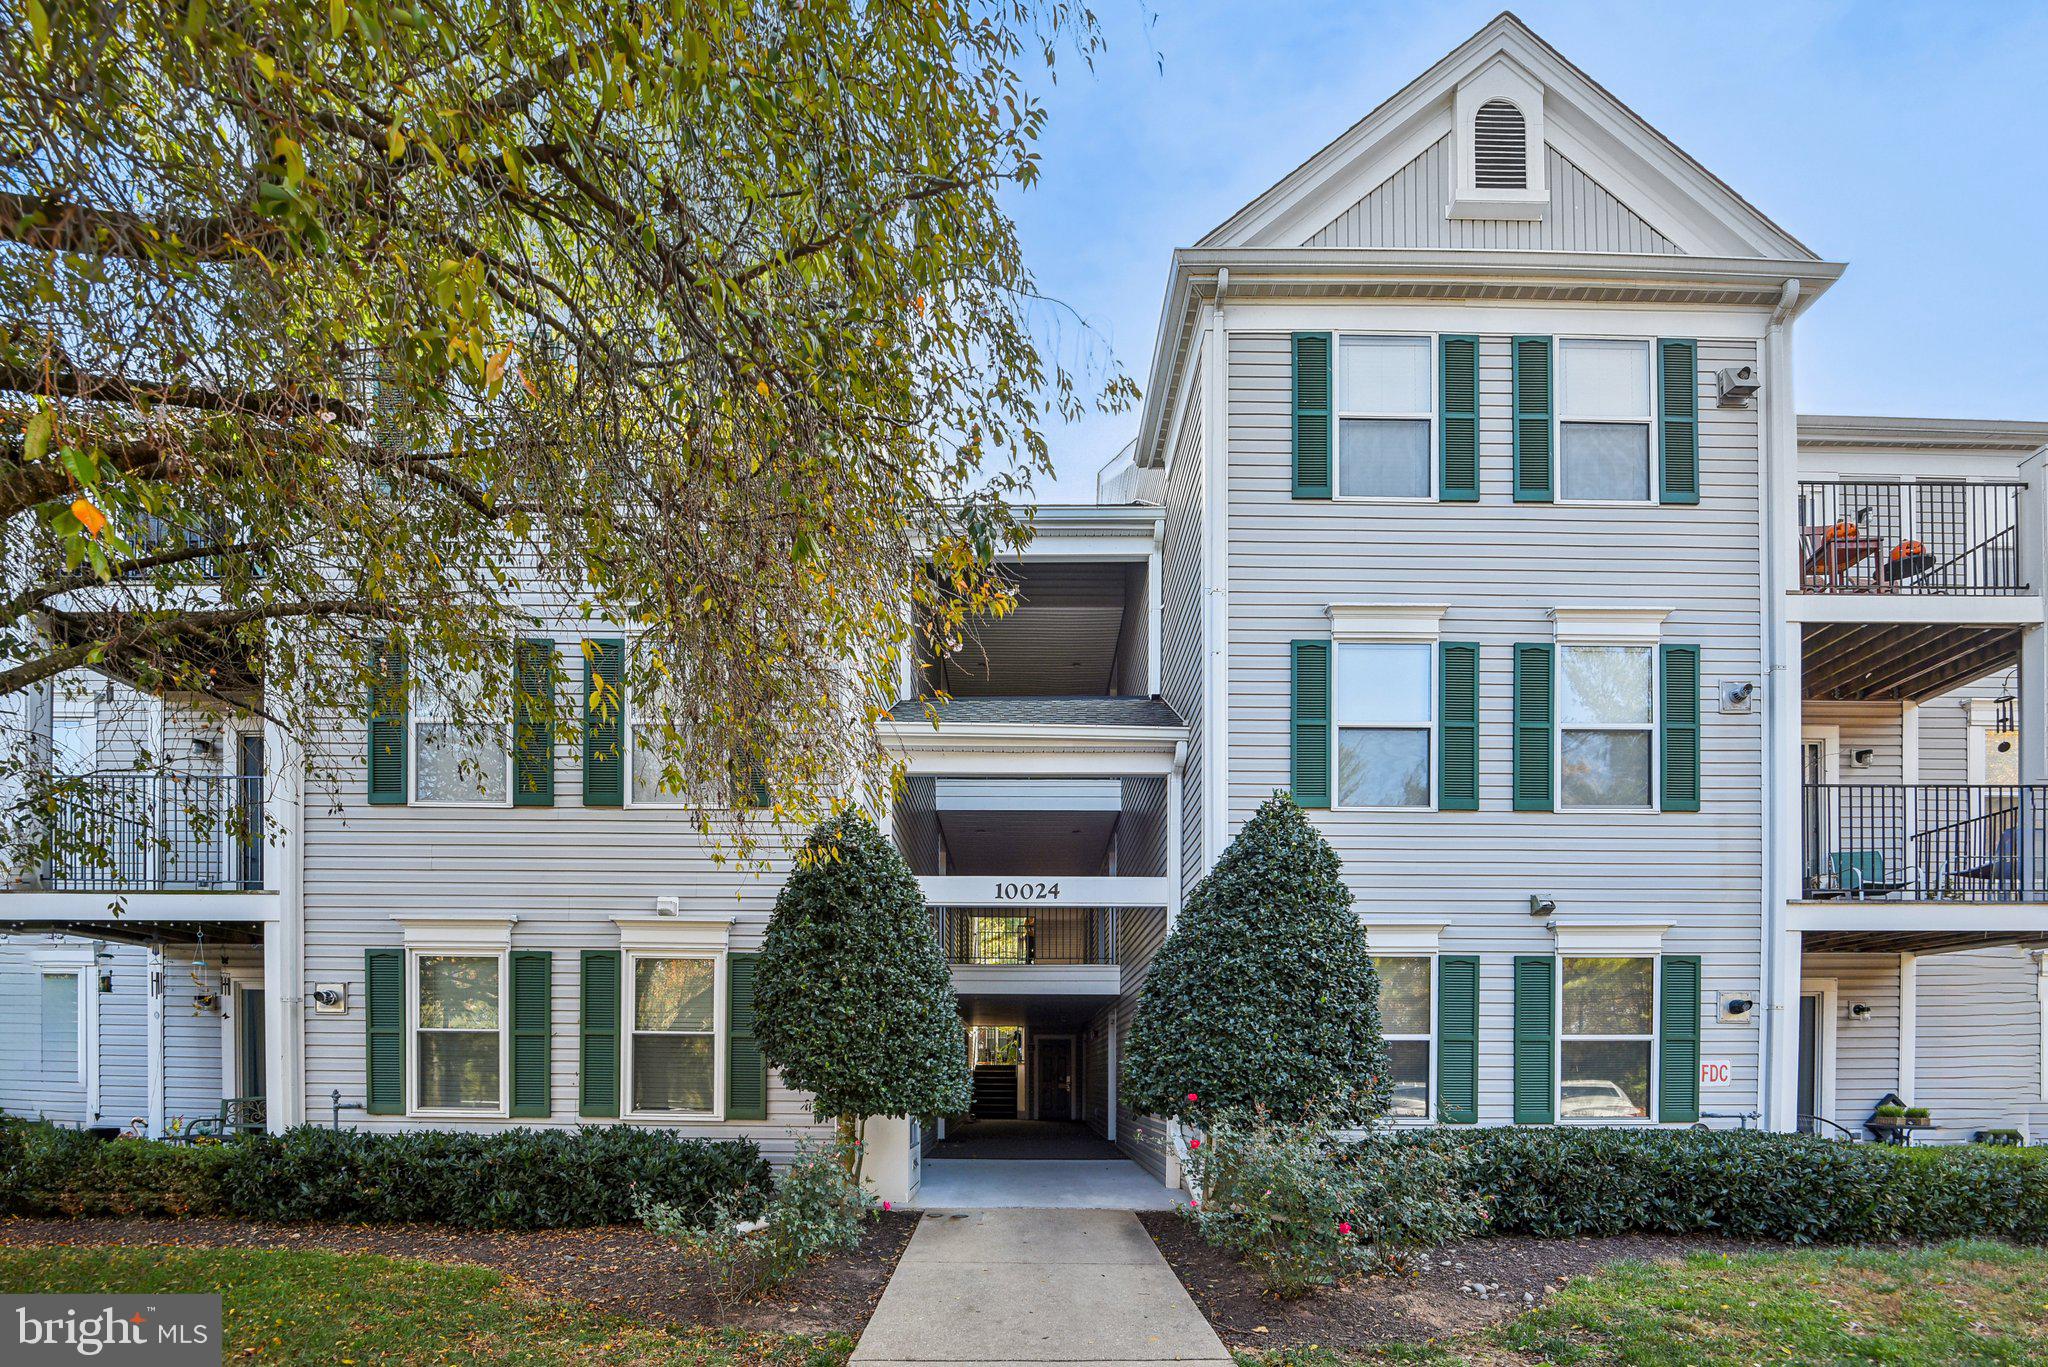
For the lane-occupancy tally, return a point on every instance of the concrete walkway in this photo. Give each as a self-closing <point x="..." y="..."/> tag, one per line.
<point x="1047" y="1184"/>
<point x="1083" y="1287"/>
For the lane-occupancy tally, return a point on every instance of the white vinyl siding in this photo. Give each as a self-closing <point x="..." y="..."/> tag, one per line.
<point x="1500" y="569"/>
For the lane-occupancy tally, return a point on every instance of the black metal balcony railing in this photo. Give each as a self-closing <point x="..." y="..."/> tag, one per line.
<point x="1056" y="935"/>
<point x="153" y="832"/>
<point x="1937" y="842"/>
<point x="1918" y="537"/>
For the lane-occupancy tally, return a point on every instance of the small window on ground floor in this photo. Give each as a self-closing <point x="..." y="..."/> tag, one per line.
<point x="59" y="1025"/>
<point x="1607" y="1038"/>
<point x="459" y="1039"/>
<point x="1405" y="1016"/>
<point x="675" y="1035"/>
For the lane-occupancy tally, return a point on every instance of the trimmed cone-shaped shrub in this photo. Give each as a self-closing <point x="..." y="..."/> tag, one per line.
<point x="853" y="1000"/>
<point x="1264" y="996"/>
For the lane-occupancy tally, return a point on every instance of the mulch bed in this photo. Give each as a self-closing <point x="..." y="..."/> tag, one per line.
<point x="1463" y="1287"/>
<point x="619" y="1269"/>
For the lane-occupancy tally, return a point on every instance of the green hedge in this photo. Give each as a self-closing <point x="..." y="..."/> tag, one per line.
<point x="1566" y="1182"/>
<point x="513" y="1179"/>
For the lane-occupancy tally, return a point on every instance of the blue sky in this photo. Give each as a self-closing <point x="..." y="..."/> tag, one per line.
<point x="1903" y="139"/>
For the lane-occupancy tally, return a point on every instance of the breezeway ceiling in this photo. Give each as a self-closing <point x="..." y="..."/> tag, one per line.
<point x="1061" y="641"/>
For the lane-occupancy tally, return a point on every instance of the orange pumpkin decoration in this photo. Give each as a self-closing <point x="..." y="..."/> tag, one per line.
<point x="1905" y="549"/>
<point x="1842" y="531"/>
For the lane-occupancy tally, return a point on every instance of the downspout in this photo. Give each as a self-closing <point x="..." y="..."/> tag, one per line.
<point x="1779" y="426"/>
<point x="2041" y="1000"/>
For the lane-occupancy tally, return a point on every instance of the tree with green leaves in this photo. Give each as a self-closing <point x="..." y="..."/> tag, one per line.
<point x="1263" y="997"/>
<point x="853" y="1000"/>
<point x="325" y="327"/>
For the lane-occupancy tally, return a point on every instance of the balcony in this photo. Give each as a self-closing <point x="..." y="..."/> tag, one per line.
<point x="1920" y="537"/>
<point x="158" y="832"/>
<point x="1926" y="842"/>
<point x="1067" y="936"/>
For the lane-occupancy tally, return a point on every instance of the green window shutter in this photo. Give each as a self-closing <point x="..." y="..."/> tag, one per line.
<point x="598" y="1048"/>
<point x="604" y="723"/>
<point x="746" y="1075"/>
<point x="1458" y="398"/>
<point x="1312" y="422"/>
<point x="384" y="1030"/>
<point x="532" y="1011"/>
<point x="1535" y="1039"/>
<point x="386" y="711"/>
<point x="1678" y="741"/>
<point x="1310" y="723"/>
<point x="1678" y="1039"/>
<point x="1457" y="783"/>
<point x="1535" y="481"/>
<point x="1678" y="421"/>
<point x="1457" y="1039"/>
<point x="1533" y="713"/>
<point x="533" y="724"/>
<point x="754" y="787"/>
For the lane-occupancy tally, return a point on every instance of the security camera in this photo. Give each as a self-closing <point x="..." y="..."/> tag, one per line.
<point x="1859" y="1011"/>
<point x="330" y="997"/>
<point x="1736" y="384"/>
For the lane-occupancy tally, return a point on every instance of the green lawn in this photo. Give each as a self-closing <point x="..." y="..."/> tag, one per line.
<point x="327" y="1308"/>
<point x="1965" y="1303"/>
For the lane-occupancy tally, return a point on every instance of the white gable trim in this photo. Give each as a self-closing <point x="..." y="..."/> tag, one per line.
<point x="1609" y="141"/>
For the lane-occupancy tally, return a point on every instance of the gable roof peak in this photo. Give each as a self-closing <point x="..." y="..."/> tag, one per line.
<point x="1660" y="180"/>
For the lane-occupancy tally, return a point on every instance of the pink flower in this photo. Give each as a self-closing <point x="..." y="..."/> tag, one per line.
<point x="885" y="1205"/>
<point x="1343" y="1226"/>
<point x="1194" y="1143"/>
<point x="1194" y="1204"/>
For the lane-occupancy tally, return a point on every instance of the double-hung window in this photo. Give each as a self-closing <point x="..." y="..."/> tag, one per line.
<point x="466" y="763"/>
<point x="1406" y="1011"/>
<point x="1607" y="716"/>
<point x="1386" y="416"/>
<point x="458" y="1032"/>
<point x="1604" y="421"/>
<point x="1607" y="1038"/>
<point x="673" y="1053"/>
<point x="61" y="1056"/>
<point x="1385" y="722"/>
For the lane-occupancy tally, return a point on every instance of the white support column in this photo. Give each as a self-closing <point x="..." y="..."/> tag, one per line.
<point x="1155" y="609"/>
<point x="1176" y="782"/>
<point x="2032" y="742"/>
<point x="89" y="1022"/>
<point x="284" y="978"/>
<point x="1216" y="583"/>
<point x="153" y="1036"/>
<point x="2041" y="1000"/>
<point x="1909" y="1024"/>
<point x="1778" y="1042"/>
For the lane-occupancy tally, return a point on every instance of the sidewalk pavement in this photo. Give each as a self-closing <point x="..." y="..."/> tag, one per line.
<point x="1082" y="1287"/>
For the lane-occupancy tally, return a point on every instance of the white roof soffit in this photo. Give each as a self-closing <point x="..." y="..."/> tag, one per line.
<point x="1580" y="112"/>
<point x="1818" y="430"/>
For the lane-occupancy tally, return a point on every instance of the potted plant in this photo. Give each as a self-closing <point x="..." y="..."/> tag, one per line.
<point x="1891" y="1120"/>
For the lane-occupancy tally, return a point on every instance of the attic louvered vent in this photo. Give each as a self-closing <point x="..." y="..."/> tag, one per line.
<point x="1500" y="143"/>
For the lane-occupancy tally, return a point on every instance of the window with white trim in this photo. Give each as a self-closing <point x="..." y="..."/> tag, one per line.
<point x="457" y="764"/>
<point x="458" y="1032"/>
<point x="1606" y="720"/>
<point x="1386" y="417"/>
<point x="1603" y="418"/>
<point x="1607" y="1037"/>
<point x="1407" y="1021"/>
<point x="74" y="736"/>
<point x="58" y="1026"/>
<point x="674" y="1053"/>
<point x="1385" y="715"/>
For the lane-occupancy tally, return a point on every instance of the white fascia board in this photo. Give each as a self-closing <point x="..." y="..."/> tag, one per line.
<point x="1617" y="625"/>
<point x="1970" y="918"/>
<point x="136" y="907"/>
<point x="1597" y="939"/>
<point x="1928" y="609"/>
<point x="1937" y="434"/>
<point x="1386" y="621"/>
<point x="457" y="932"/>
